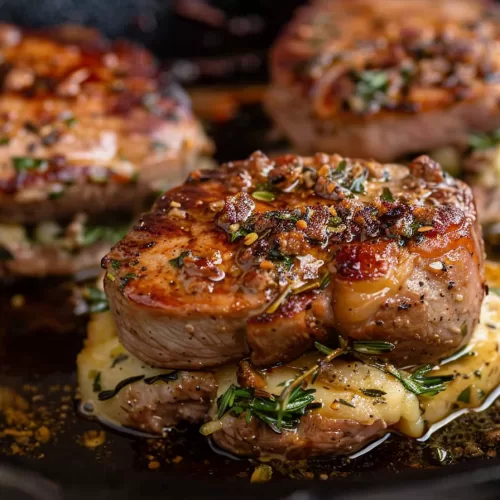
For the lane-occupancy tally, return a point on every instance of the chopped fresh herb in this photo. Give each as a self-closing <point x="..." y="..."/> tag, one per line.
<point x="178" y="261"/>
<point x="5" y="254"/>
<point x="163" y="377"/>
<point x="285" y="216"/>
<point x="159" y="146"/>
<point x="96" y="299"/>
<point x="482" y="141"/>
<point x="285" y="261"/>
<point x="70" y="120"/>
<point x="373" y="393"/>
<point x="4" y="141"/>
<point x="371" y="87"/>
<point x="111" y="277"/>
<point x="116" y="264"/>
<point x="464" y="396"/>
<point x="358" y="184"/>
<point x="481" y="394"/>
<point x="21" y="163"/>
<point x="372" y="347"/>
<point x="109" y="234"/>
<point x="345" y="403"/>
<point x="119" y="359"/>
<point x="125" y="279"/>
<point x="418" y="382"/>
<point x="239" y="234"/>
<point x="387" y="195"/>
<point x="335" y="221"/>
<point x="325" y="281"/>
<point x="105" y="395"/>
<point x="96" y="384"/>
<point x="263" y="196"/>
<point x="265" y="407"/>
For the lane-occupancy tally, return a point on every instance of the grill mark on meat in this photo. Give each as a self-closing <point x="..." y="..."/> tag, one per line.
<point x="379" y="255"/>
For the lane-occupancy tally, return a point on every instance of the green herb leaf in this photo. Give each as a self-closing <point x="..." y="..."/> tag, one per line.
<point x="345" y="403"/>
<point x="158" y="146"/>
<point x="109" y="234"/>
<point x="482" y="141"/>
<point x="373" y="393"/>
<point x="105" y="395"/>
<point x="265" y="407"/>
<point x="178" y="261"/>
<point x="116" y="264"/>
<point x="22" y="163"/>
<point x="372" y="347"/>
<point x="119" y="359"/>
<point x="96" y="384"/>
<point x="263" y="196"/>
<point x="358" y="184"/>
<point x="4" y="141"/>
<point x="125" y="279"/>
<point x="387" y="195"/>
<point x="464" y="396"/>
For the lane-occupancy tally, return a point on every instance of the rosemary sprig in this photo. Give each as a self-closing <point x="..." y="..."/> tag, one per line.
<point x="295" y="383"/>
<point x="265" y="406"/>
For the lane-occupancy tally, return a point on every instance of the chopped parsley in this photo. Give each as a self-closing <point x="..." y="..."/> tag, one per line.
<point x="464" y="396"/>
<point x="482" y="141"/>
<point x="387" y="195"/>
<point x="22" y="163"/>
<point x="119" y="359"/>
<point x="96" y="384"/>
<point x="125" y="279"/>
<point x="178" y="261"/>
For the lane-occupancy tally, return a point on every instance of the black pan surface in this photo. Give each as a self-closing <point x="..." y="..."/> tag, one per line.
<point x="46" y="450"/>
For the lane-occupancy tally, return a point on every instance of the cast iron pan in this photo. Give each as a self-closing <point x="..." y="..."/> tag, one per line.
<point x="40" y="337"/>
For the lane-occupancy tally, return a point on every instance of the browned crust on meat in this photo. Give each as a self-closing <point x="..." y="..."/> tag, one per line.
<point x="90" y="113"/>
<point x="416" y="259"/>
<point x="434" y="54"/>
<point x="382" y="79"/>
<point x="316" y="435"/>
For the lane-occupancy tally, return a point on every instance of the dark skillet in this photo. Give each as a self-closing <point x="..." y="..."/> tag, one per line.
<point x="39" y="342"/>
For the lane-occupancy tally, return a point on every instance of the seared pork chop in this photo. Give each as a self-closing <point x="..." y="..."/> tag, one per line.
<point x="263" y="257"/>
<point x="386" y="78"/>
<point x="85" y="125"/>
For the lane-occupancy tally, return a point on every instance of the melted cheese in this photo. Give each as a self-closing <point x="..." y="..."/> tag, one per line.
<point x="477" y="374"/>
